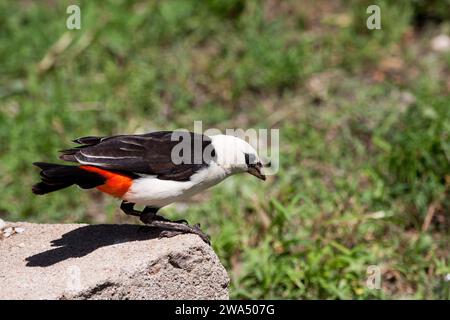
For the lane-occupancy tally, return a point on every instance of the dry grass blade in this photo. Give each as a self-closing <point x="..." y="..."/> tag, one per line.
<point x="54" y="52"/>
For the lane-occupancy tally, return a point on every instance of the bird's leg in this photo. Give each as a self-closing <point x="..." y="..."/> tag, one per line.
<point x="149" y="214"/>
<point x="128" y="208"/>
<point x="172" y="228"/>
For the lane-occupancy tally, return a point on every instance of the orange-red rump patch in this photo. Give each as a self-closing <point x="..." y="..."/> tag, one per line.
<point x="116" y="184"/>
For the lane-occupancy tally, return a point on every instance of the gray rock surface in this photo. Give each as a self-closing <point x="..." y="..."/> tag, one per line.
<point x="78" y="261"/>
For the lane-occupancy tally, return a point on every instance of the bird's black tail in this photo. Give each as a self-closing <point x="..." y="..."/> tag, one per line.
<point x="56" y="176"/>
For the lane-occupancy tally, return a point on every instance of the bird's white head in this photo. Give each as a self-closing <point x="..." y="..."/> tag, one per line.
<point x="235" y="155"/>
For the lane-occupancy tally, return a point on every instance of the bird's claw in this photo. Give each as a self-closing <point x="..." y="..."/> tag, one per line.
<point x="168" y="234"/>
<point x="174" y="230"/>
<point x="196" y="230"/>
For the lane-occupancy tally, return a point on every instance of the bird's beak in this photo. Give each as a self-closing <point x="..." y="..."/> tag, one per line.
<point x="256" y="171"/>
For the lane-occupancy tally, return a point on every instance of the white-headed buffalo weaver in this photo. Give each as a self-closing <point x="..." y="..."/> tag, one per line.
<point x="140" y="169"/>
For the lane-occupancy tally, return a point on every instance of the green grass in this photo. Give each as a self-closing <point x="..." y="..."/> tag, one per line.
<point x="363" y="117"/>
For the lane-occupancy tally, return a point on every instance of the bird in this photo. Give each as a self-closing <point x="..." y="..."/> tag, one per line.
<point x="153" y="169"/>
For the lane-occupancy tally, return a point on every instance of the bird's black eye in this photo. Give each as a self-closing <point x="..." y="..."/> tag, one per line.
<point x="250" y="159"/>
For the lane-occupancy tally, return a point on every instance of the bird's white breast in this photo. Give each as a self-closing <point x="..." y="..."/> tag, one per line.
<point x="151" y="191"/>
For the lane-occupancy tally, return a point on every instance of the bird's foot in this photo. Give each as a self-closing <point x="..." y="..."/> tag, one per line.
<point x="161" y="218"/>
<point x="182" y="221"/>
<point x="148" y="218"/>
<point x="172" y="229"/>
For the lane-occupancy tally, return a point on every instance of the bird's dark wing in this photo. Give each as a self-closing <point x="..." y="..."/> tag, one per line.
<point x="149" y="153"/>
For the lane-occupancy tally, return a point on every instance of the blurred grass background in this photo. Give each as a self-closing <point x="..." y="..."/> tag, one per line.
<point x="364" y="120"/>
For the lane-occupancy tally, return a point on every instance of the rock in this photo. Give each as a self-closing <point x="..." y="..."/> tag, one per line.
<point x="79" y="261"/>
<point x="7" y="232"/>
<point x="2" y="224"/>
<point x="19" y="230"/>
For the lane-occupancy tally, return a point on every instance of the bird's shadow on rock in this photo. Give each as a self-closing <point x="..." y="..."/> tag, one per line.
<point x="84" y="240"/>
